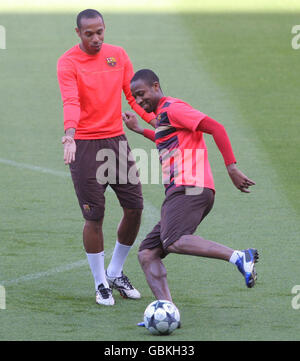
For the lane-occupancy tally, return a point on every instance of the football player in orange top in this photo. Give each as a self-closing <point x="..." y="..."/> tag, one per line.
<point x="189" y="185"/>
<point x="92" y="76"/>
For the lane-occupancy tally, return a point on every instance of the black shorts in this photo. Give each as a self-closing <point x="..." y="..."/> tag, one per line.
<point x="181" y="213"/>
<point x="99" y="163"/>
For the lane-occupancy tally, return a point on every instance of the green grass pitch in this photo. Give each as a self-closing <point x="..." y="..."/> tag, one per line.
<point x="237" y="67"/>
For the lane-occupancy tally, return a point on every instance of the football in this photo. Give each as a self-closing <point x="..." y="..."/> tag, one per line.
<point x="161" y="317"/>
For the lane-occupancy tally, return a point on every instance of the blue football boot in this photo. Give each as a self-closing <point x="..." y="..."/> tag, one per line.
<point x="246" y="265"/>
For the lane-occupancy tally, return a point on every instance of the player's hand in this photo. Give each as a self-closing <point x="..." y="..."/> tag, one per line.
<point x="239" y="179"/>
<point x="131" y="122"/>
<point x="69" y="149"/>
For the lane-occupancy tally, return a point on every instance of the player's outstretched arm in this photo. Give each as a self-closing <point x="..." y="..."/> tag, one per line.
<point x="239" y="179"/>
<point x="217" y="130"/>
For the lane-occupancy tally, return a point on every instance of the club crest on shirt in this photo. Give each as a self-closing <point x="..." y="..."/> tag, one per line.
<point x="111" y="61"/>
<point x="86" y="208"/>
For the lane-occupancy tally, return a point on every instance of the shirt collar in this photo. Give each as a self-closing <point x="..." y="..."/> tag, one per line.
<point x="160" y="103"/>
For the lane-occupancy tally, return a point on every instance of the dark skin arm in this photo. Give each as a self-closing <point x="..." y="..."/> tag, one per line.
<point x="132" y="123"/>
<point x="239" y="179"/>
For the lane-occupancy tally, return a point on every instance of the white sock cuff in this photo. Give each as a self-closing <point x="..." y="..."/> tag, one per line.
<point x="93" y="255"/>
<point x="124" y="246"/>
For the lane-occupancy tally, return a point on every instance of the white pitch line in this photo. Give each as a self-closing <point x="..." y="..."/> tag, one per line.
<point x="34" y="168"/>
<point x="50" y="272"/>
<point x="151" y="217"/>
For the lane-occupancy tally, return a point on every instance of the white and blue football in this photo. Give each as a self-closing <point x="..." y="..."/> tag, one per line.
<point x="161" y="317"/>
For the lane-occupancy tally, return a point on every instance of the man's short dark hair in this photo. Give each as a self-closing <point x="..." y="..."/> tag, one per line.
<point x="147" y="75"/>
<point x="89" y="14"/>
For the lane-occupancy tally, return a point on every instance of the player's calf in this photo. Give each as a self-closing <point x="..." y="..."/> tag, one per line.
<point x="155" y="272"/>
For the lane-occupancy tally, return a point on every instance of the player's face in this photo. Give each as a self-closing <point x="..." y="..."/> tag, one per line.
<point x="146" y="96"/>
<point x="91" y="34"/>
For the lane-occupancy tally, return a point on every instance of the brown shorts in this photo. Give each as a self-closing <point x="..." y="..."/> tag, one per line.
<point x="181" y="213"/>
<point x="99" y="163"/>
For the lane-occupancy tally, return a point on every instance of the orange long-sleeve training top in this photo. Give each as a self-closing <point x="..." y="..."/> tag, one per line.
<point x="91" y="88"/>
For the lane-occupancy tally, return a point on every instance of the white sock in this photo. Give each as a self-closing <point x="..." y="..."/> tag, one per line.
<point x="235" y="256"/>
<point x="96" y="262"/>
<point x="118" y="259"/>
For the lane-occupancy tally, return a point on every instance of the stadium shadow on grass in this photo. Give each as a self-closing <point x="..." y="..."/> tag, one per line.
<point x="239" y="69"/>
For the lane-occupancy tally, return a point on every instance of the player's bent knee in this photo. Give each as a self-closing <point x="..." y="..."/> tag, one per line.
<point x="172" y="248"/>
<point x="176" y="246"/>
<point x="96" y="225"/>
<point x="147" y="256"/>
<point x="133" y="213"/>
<point x="144" y="257"/>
